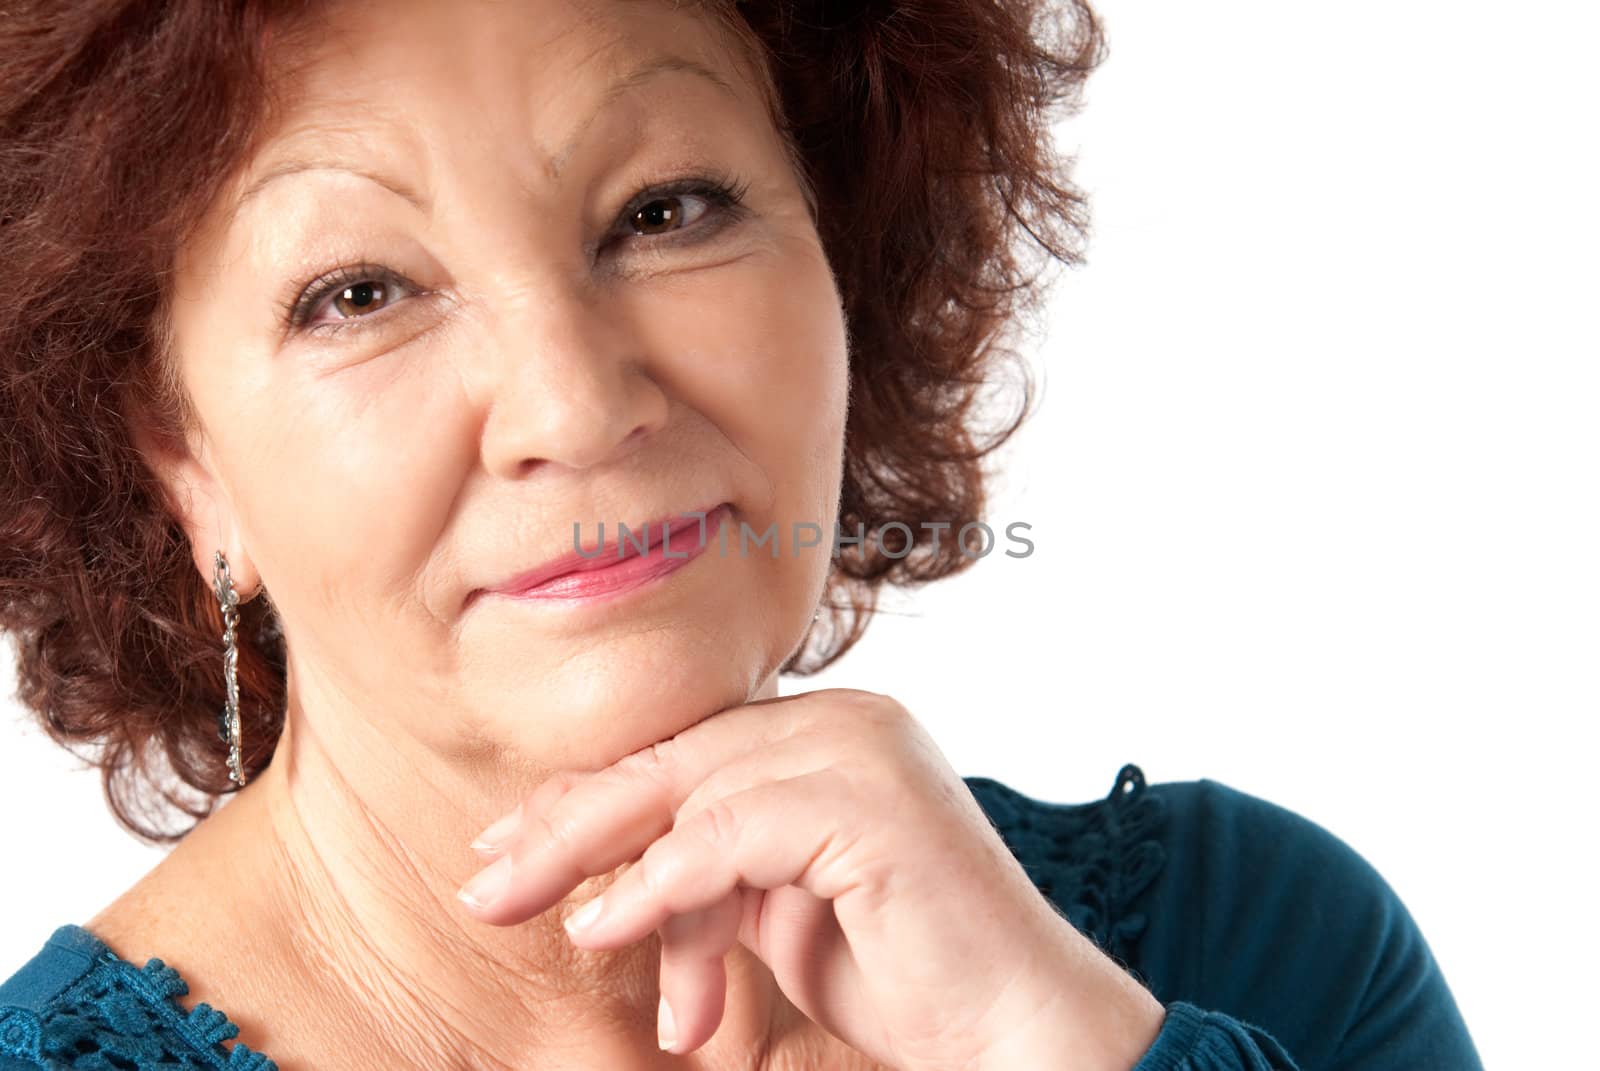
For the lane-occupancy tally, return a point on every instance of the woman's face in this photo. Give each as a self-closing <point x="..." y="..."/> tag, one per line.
<point x="535" y="332"/>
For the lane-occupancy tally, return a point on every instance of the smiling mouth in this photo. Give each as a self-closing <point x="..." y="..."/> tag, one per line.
<point x="618" y="566"/>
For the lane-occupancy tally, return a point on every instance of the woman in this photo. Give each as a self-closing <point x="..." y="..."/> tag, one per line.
<point x="448" y="359"/>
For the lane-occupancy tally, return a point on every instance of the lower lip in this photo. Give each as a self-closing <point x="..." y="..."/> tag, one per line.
<point x="630" y="573"/>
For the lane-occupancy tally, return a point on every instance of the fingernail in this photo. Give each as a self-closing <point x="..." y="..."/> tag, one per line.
<point x="585" y="915"/>
<point x="499" y="832"/>
<point x="666" y="1029"/>
<point x="489" y="885"/>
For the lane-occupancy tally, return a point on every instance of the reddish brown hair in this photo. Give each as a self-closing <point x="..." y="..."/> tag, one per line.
<point x="923" y="128"/>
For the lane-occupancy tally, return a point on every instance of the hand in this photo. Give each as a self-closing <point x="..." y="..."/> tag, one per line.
<point x="827" y="833"/>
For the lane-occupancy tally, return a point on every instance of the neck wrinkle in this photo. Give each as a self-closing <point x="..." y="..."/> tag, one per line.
<point x="402" y="966"/>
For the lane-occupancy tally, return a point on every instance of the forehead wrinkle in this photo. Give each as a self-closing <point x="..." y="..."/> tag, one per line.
<point x="626" y="84"/>
<point x="336" y="146"/>
<point x="326" y="157"/>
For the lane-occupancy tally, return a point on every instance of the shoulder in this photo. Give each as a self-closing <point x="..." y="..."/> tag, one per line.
<point x="35" y="991"/>
<point x="1251" y="877"/>
<point x="66" y="956"/>
<point x="1265" y="911"/>
<point x="76" y="999"/>
<point x="1234" y="903"/>
<point x="1234" y="847"/>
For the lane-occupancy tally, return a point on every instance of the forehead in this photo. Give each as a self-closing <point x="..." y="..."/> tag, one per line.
<point x="362" y="86"/>
<point x="391" y="55"/>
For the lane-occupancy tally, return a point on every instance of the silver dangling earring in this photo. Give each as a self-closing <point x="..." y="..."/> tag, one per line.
<point x="228" y="719"/>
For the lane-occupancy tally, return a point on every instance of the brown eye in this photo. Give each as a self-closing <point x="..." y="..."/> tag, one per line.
<point x="662" y="215"/>
<point x="363" y="297"/>
<point x="347" y="296"/>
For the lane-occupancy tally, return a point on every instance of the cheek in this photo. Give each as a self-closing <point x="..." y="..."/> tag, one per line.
<point x="349" y="480"/>
<point x="759" y="349"/>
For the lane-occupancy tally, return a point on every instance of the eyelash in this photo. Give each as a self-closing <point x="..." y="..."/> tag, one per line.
<point x="724" y="193"/>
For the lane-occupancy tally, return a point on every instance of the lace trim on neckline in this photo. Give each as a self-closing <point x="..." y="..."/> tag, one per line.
<point x="203" y="1027"/>
<point x="119" y="1015"/>
<point x="1092" y="860"/>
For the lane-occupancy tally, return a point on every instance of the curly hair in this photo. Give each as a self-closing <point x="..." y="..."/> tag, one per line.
<point x="922" y="127"/>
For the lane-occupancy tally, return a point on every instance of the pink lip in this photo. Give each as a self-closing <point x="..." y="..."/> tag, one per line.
<point x="605" y="571"/>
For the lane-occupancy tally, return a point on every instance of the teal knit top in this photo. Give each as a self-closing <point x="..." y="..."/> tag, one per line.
<point x="1272" y="944"/>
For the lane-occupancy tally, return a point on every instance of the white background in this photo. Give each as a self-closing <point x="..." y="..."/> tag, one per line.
<point x="1312" y="486"/>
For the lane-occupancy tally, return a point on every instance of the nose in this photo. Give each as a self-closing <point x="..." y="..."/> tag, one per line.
<point x="571" y="382"/>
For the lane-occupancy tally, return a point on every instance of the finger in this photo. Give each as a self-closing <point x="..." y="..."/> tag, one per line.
<point x="797" y="831"/>
<point x="543" y="863"/>
<point x="798" y="936"/>
<point x="688" y="758"/>
<point x="500" y="834"/>
<point x="611" y="817"/>
<point x="694" y="980"/>
<point x="682" y="762"/>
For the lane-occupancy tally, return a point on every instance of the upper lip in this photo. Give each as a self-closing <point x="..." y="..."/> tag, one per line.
<point x="607" y="553"/>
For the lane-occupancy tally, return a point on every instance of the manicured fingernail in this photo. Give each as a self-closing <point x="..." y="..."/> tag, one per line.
<point x="666" y="1029"/>
<point x="489" y="885"/>
<point x="499" y="832"/>
<point x="585" y="915"/>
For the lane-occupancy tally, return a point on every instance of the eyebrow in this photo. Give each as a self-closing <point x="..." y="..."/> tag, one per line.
<point x="623" y="85"/>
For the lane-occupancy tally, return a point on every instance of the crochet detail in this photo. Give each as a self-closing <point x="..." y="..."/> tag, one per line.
<point x="121" y="1018"/>
<point x="1092" y="860"/>
<point x="19" y="1034"/>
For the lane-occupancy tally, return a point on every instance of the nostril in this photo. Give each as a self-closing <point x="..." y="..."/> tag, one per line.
<point x="636" y="434"/>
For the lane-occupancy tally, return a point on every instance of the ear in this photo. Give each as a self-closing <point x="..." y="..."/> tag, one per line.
<point x="199" y="500"/>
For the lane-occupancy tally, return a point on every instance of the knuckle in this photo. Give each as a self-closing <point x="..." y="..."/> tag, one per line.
<point x="874" y="706"/>
<point x="717" y="785"/>
<point x="659" y="868"/>
<point x="716" y="824"/>
<point x="550" y="791"/>
<point x="889" y="710"/>
<point x="556" y="829"/>
<point x="650" y="763"/>
<point x="879" y="718"/>
<point x="642" y="772"/>
<point x="851" y="696"/>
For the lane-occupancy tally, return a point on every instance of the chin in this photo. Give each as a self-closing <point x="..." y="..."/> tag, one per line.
<point x="604" y="703"/>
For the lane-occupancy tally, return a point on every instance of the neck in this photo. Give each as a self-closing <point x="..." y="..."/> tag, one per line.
<point x="368" y="844"/>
